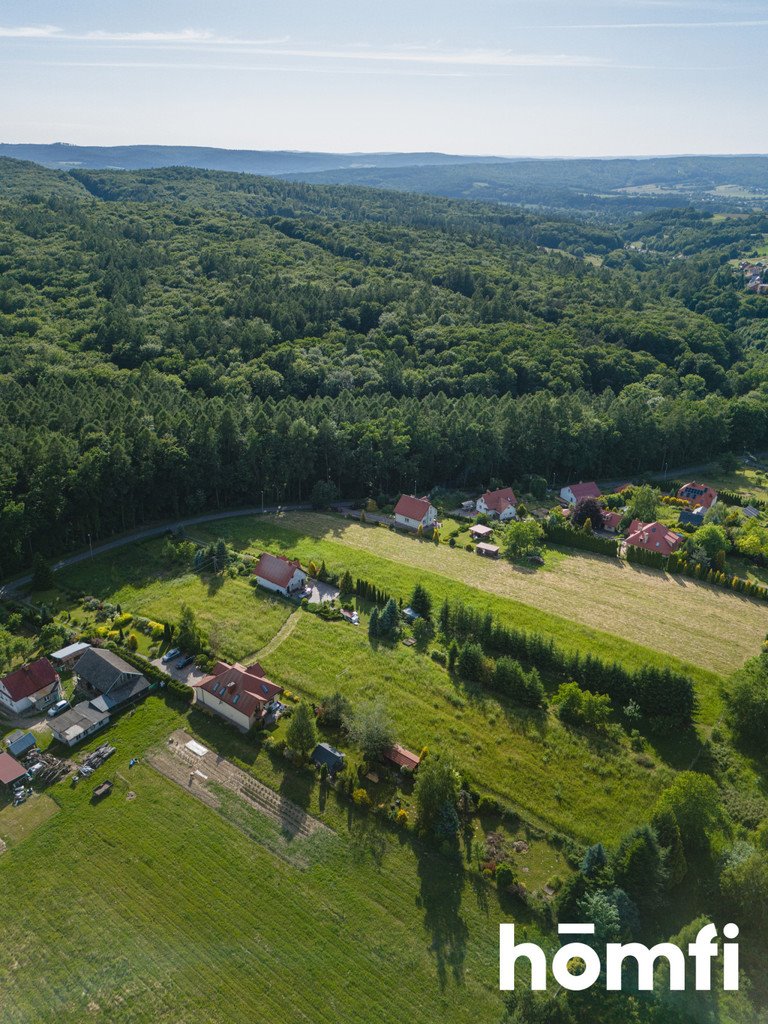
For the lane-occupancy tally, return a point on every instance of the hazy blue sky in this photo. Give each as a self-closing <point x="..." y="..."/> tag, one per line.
<point x="511" y="77"/>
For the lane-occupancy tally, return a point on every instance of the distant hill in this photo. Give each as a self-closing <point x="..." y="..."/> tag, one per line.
<point x="63" y="156"/>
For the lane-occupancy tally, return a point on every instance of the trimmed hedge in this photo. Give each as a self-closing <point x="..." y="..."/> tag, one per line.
<point x="581" y="539"/>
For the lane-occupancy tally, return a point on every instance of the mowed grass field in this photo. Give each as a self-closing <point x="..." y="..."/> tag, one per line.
<point x="397" y="563"/>
<point x="238" y="618"/>
<point x="157" y="910"/>
<point x="708" y="626"/>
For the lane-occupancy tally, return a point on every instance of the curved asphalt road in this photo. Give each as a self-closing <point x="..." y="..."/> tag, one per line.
<point x="13" y="587"/>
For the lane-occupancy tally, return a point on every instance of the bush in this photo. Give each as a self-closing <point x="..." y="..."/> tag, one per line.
<point x="360" y="798"/>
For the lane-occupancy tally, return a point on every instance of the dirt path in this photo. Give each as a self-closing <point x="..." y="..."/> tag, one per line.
<point x="282" y="634"/>
<point x="708" y="626"/>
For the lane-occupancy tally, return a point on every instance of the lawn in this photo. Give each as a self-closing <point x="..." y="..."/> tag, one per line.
<point x="396" y="563"/>
<point x="751" y="483"/>
<point x="159" y="910"/>
<point x="16" y="823"/>
<point x="591" y="789"/>
<point x="238" y="619"/>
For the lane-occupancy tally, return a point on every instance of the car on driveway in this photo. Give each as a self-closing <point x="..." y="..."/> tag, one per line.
<point x="58" y="708"/>
<point x="170" y="655"/>
<point x="185" y="662"/>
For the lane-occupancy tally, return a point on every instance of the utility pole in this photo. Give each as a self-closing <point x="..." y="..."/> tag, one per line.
<point x="262" y="500"/>
<point x="90" y="544"/>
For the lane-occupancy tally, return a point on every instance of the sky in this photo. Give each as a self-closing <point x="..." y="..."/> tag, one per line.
<point x="503" y="77"/>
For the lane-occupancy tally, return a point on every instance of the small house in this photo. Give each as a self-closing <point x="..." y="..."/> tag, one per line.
<point x="692" y="517"/>
<point x="653" y="537"/>
<point x="281" y="575"/>
<point x="325" y="754"/>
<point x="573" y="493"/>
<point x="10" y="770"/>
<point x="479" y="532"/>
<point x="243" y="696"/>
<point x="612" y="521"/>
<point x="30" y="689"/>
<point x="412" y="512"/>
<point x="110" y="682"/>
<point x="67" y="656"/>
<point x="487" y="550"/>
<point x="20" y="743"/>
<point x="78" y="723"/>
<point x="401" y="758"/>
<point x="698" y="495"/>
<point x="501" y="504"/>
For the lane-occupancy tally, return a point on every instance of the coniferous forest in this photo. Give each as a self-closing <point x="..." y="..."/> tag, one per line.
<point x="180" y="340"/>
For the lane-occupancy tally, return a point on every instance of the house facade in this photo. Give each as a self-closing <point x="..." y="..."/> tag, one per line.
<point x="242" y="696"/>
<point x="501" y="504"/>
<point x="78" y="723"/>
<point x="108" y="680"/>
<point x="281" y="575"/>
<point x="412" y="512"/>
<point x="573" y="493"/>
<point x="30" y="689"/>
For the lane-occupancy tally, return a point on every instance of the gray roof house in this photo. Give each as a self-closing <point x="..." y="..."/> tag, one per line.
<point x="325" y="754"/>
<point x="77" y="723"/>
<point x="114" y="682"/>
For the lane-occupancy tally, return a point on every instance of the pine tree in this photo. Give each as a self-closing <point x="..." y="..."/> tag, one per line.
<point x="302" y="731"/>
<point x="373" y="624"/>
<point x="388" y="619"/>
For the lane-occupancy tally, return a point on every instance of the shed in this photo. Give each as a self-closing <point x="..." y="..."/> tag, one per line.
<point x="401" y="757"/>
<point x="480" y="532"/>
<point x="67" y="656"/>
<point x="487" y="550"/>
<point x="20" y="744"/>
<point x="325" y="754"/>
<point x="10" y="770"/>
<point x="410" y="615"/>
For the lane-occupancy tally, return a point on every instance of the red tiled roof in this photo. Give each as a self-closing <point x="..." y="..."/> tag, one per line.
<point x="412" y="508"/>
<point x="587" y="490"/>
<point x="30" y="679"/>
<point x="276" y="569"/>
<point x="697" y="494"/>
<point x="246" y="689"/>
<point x="400" y="756"/>
<point x="653" y="537"/>
<point x="499" y="501"/>
<point x="10" y="769"/>
<point x="611" y="520"/>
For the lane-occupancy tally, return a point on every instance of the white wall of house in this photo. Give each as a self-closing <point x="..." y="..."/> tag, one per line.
<point x="567" y="495"/>
<point x="429" y="517"/>
<point x="41" y="700"/>
<point x="510" y="512"/>
<point x="223" y="710"/>
<point x="297" y="581"/>
<point x="81" y="735"/>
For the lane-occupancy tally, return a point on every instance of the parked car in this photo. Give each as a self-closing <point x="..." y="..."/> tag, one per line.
<point x="58" y="708"/>
<point x="170" y="655"/>
<point x="185" y="662"/>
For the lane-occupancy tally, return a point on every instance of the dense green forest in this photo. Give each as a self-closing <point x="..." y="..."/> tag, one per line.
<point x="177" y="340"/>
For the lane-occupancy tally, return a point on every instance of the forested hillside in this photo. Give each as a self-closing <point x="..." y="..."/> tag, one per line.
<point x="177" y="340"/>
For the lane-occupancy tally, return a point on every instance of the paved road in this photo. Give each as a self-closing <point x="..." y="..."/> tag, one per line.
<point x="14" y="586"/>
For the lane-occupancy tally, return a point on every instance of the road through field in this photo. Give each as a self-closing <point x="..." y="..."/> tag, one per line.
<point x="706" y="625"/>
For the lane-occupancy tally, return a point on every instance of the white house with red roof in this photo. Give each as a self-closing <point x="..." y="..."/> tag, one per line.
<point x="612" y="521"/>
<point x="414" y="512"/>
<point x="653" y="537"/>
<point x="573" y="493"/>
<point x="33" y="687"/>
<point x="698" y="495"/>
<point x="501" y="503"/>
<point x="242" y="696"/>
<point x="283" y="575"/>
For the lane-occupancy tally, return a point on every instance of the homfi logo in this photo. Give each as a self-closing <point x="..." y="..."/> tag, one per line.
<point x="577" y="966"/>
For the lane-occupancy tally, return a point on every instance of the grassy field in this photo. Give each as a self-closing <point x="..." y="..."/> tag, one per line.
<point x="397" y="563"/>
<point x="752" y="483"/>
<point x="16" y="823"/>
<point x="238" y="619"/>
<point x="589" y="788"/>
<point x="157" y="909"/>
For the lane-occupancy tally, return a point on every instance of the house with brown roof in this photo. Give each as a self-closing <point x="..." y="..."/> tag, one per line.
<point x="653" y="537"/>
<point x="10" y="770"/>
<point x="573" y="493"/>
<point x="501" y="504"/>
<point x="698" y="495"/>
<point x="401" y="758"/>
<point x="30" y="689"/>
<point x="242" y="696"/>
<point x="281" y="575"/>
<point x="412" y="512"/>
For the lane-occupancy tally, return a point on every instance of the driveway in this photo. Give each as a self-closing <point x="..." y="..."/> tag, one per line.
<point x="190" y="676"/>
<point x="322" y="592"/>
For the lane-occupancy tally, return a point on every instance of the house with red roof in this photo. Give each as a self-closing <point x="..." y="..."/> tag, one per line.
<point x="412" y="512"/>
<point x="698" y="495"/>
<point x="31" y="688"/>
<point x="501" y="503"/>
<point x="401" y="758"/>
<point x="10" y="770"/>
<point x="653" y="537"/>
<point x="282" y="575"/>
<point x="573" y="493"/>
<point x="612" y="521"/>
<point x="242" y="696"/>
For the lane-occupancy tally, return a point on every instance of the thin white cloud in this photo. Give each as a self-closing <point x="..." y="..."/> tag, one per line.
<point x="30" y="32"/>
<point x="752" y="23"/>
